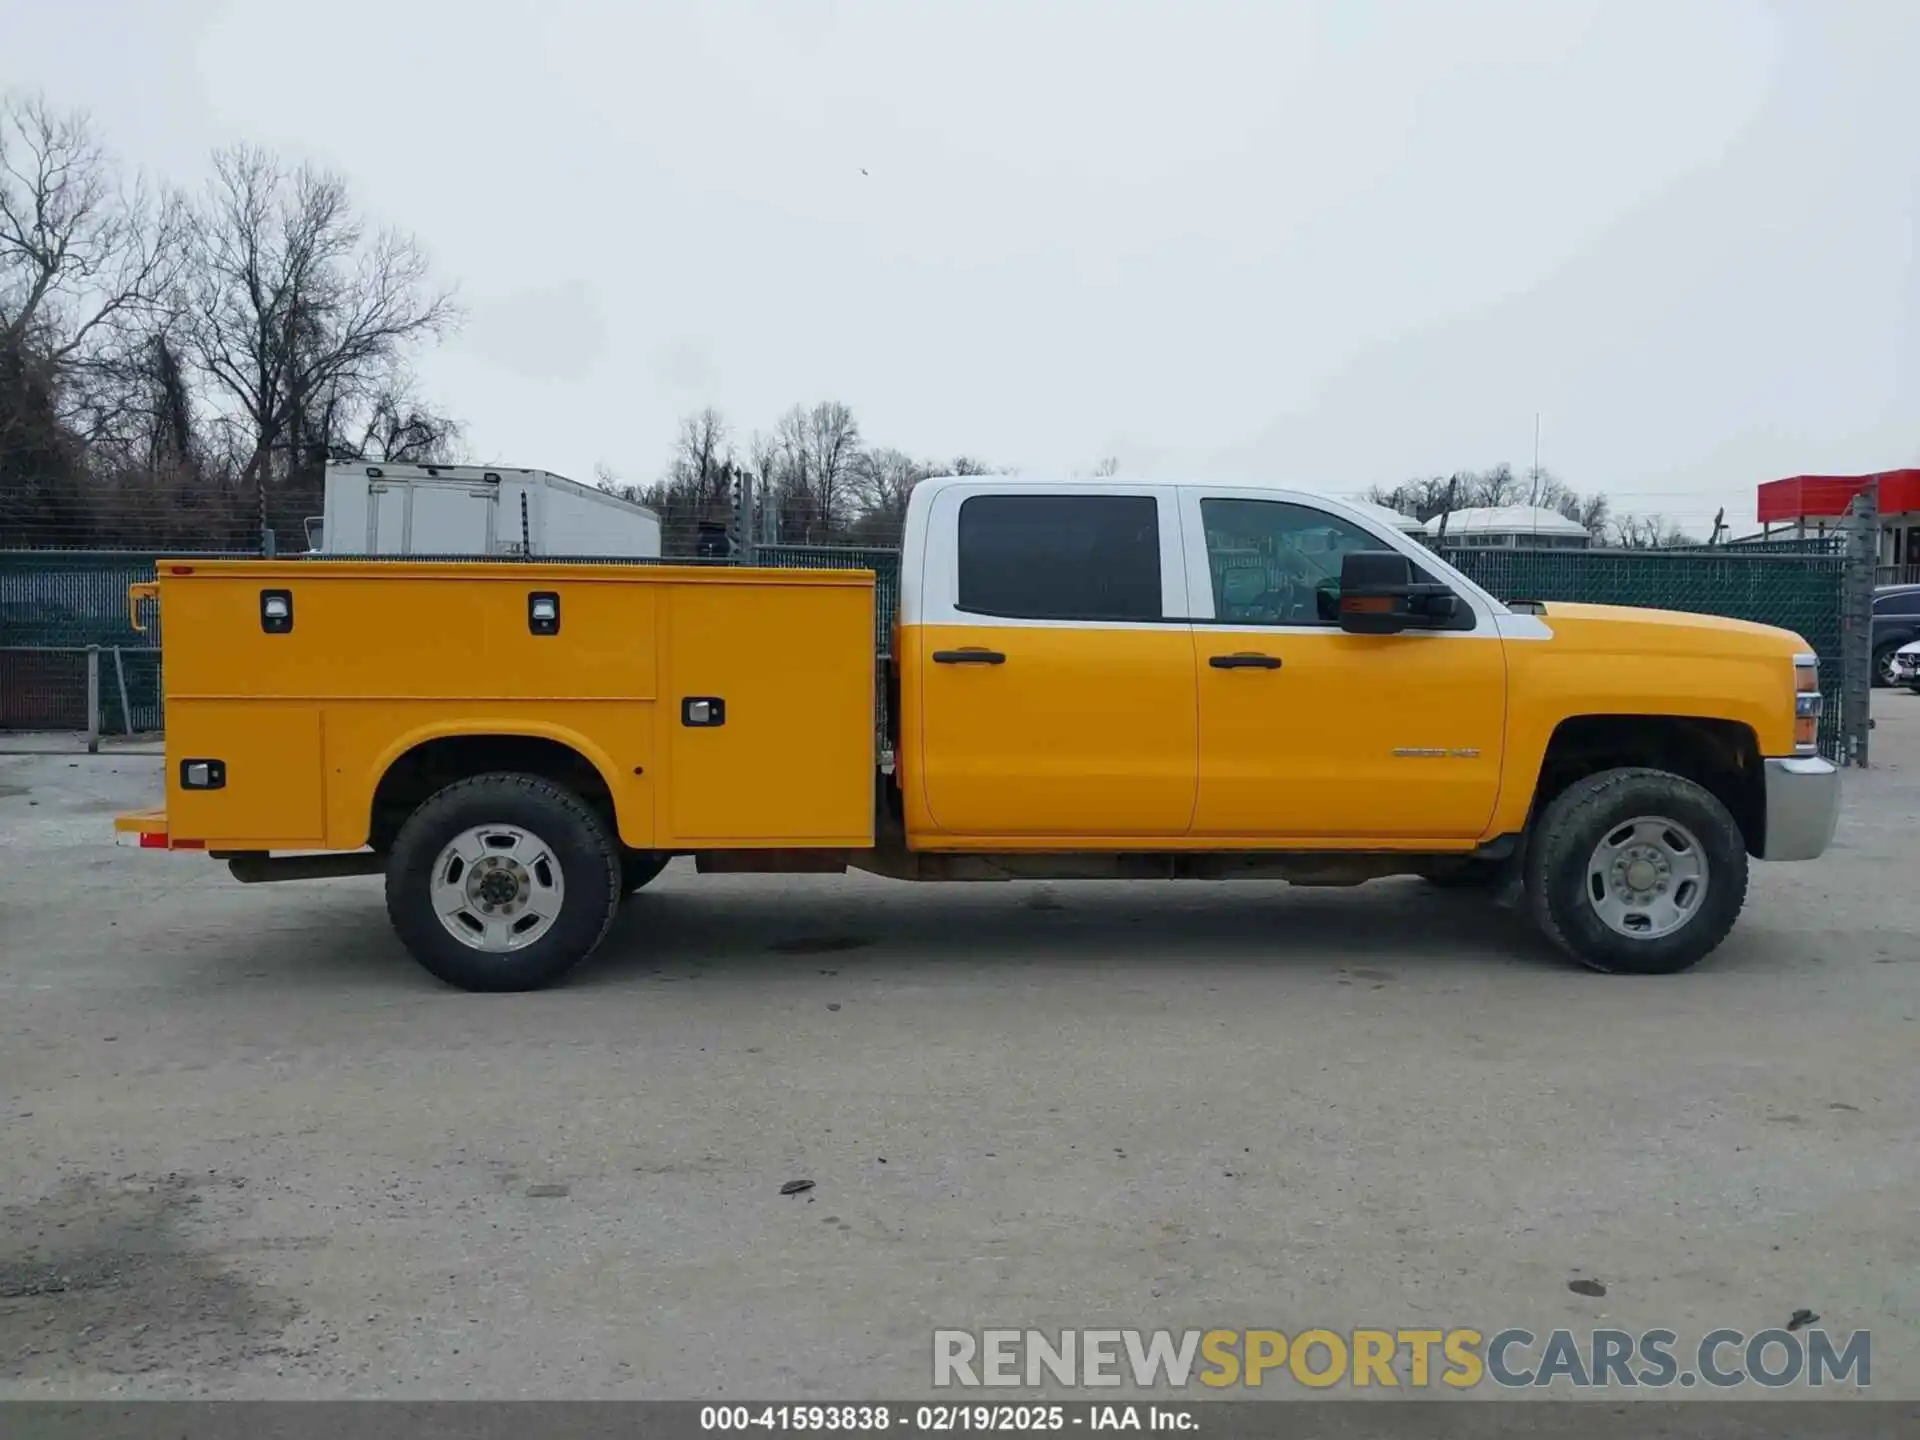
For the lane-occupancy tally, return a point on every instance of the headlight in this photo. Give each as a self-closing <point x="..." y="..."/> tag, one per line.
<point x="1808" y="703"/>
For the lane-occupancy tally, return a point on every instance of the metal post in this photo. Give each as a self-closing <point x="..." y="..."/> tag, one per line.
<point x="1856" y="624"/>
<point x="743" y="517"/>
<point x="126" y="710"/>
<point x="93" y="699"/>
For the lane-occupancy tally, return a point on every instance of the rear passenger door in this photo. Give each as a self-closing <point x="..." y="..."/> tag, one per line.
<point x="1055" y="665"/>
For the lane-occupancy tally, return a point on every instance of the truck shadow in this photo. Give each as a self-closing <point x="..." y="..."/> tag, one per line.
<point x="780" y="929"/>
<point x="748" y="931"/>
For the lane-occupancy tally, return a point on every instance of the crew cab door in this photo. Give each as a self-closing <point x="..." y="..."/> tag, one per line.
<point x="1310" y="733"/>
<point x="1054" y="664"/>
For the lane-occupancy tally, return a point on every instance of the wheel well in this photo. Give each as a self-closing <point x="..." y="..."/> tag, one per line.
<point x="435" y="764"/>
<point x="1721" y="756"/>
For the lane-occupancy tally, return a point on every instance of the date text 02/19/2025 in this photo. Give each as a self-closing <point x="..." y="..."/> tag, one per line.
<point x="943" y="1419"/>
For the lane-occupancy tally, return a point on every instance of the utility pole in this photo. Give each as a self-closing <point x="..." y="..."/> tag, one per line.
<point x="743" y="514"/>
<point x="1856" y="623"/>
<point x="1446" y="509"/>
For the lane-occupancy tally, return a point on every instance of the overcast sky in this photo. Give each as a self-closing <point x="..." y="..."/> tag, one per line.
<point x="1332" y="244"/>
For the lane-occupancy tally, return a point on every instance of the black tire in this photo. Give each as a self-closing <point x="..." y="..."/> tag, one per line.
<point x="1883" y="666"/>
<point x="1573" y="825"/>
<point x="638" y="868"/>
<point x="589" y="865"/>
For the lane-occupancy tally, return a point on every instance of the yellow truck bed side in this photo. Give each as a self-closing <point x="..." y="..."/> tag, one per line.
<point x="377" y="660"/>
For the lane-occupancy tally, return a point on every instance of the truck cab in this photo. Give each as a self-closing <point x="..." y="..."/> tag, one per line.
<point x="1085" y="679"/>
<point x="1136" y="664"/>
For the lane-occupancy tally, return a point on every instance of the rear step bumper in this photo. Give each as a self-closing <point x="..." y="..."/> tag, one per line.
<point x="148" y="830"/>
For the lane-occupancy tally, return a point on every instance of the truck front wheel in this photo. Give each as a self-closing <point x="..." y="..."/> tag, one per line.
<point x="502" y="882"/>
<point x="1636" y="871"/>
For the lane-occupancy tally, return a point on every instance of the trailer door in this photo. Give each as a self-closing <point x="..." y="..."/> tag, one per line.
<point x="452" y="519"/>
<point x="387" y="517"/>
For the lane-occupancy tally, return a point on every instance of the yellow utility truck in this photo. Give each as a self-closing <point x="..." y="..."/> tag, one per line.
<point x="1086" y="679"/>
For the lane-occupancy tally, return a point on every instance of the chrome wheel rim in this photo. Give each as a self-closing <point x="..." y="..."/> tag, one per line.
<point x="497" y="888"/>
<point x="1647" y="877"/>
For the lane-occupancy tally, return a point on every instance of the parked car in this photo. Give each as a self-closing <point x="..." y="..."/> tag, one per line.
<point x="1906" y="666"/>
<point x="1896" y="622"/>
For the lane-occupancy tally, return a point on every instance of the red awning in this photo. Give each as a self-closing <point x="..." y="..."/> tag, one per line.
<point x="1826" y="497"/>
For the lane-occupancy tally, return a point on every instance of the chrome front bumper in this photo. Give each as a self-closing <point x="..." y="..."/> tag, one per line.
<point x="1803" y="806"/>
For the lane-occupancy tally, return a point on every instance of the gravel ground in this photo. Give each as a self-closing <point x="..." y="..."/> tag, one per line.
<point x="252" y="1150"/>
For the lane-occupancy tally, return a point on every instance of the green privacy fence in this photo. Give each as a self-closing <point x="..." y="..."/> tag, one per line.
<point x="55" y="599"/>
<point x="73" y="597"/>
<point x="1798" y="592"/>
<point x="54" y="604"/>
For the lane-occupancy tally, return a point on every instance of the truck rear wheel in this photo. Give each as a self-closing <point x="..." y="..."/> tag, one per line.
<point x="1637" y="872"/>
<point x="502" y="882"/>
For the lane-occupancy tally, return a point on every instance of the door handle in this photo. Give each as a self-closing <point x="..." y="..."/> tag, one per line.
<point x="1245" y="660"/>
<point x="968" y="657"/>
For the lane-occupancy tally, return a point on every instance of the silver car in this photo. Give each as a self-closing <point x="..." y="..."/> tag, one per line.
<point x="1905" y="667"/>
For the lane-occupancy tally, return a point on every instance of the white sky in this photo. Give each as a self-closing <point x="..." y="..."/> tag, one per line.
<point x="1335" y="244"/>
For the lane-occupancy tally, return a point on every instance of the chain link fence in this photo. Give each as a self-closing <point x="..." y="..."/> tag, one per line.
<point x="90" y="691"/>
<point x="54" y="605"/>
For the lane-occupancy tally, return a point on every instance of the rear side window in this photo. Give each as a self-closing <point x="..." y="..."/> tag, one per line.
<point x="1901" y="603"/>
<point x="1061" y="557"/>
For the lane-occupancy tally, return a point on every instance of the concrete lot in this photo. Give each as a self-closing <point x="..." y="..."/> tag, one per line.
<point x="251" y="1149"/>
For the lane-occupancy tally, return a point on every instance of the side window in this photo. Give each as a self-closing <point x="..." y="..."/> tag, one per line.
<point x="1060" y="557"/>
<point x="1270" y="561"/>
<point x="1905" y="603"/>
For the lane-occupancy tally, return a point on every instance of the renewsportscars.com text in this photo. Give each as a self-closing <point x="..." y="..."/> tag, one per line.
<point x="1418" y="1359"/>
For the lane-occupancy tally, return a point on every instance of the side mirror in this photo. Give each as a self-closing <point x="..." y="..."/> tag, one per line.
<point x="1373" y="592"/>
<point x="1379" y="596"/>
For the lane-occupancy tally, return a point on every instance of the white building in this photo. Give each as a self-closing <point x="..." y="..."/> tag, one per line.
<point x="1400" y="521"/>
<point x="1513" y="526"/>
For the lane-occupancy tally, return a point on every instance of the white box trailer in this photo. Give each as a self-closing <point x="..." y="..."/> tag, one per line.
<point x="374" y="509"/>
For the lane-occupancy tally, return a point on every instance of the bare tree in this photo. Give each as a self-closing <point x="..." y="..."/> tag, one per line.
<point x="1107" y="467"/>
<point x="84" y="258"/>
<point x="1495" y="487"/>
<point x="1649" y="532"/>
<point x="701" y="471"/>
<point x="791" y="492"/>
<point x="763" y="466"/>
<point x="1593" y="512"/>
<point x="763" y="461"/>
<point x="395" y="426"/>
<point x="884" y="481"/>
<point x="833" y="444"/>
<point x="296" y="311"/>
<point x="814" y="453"/>
<point x="88" y="263"/>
